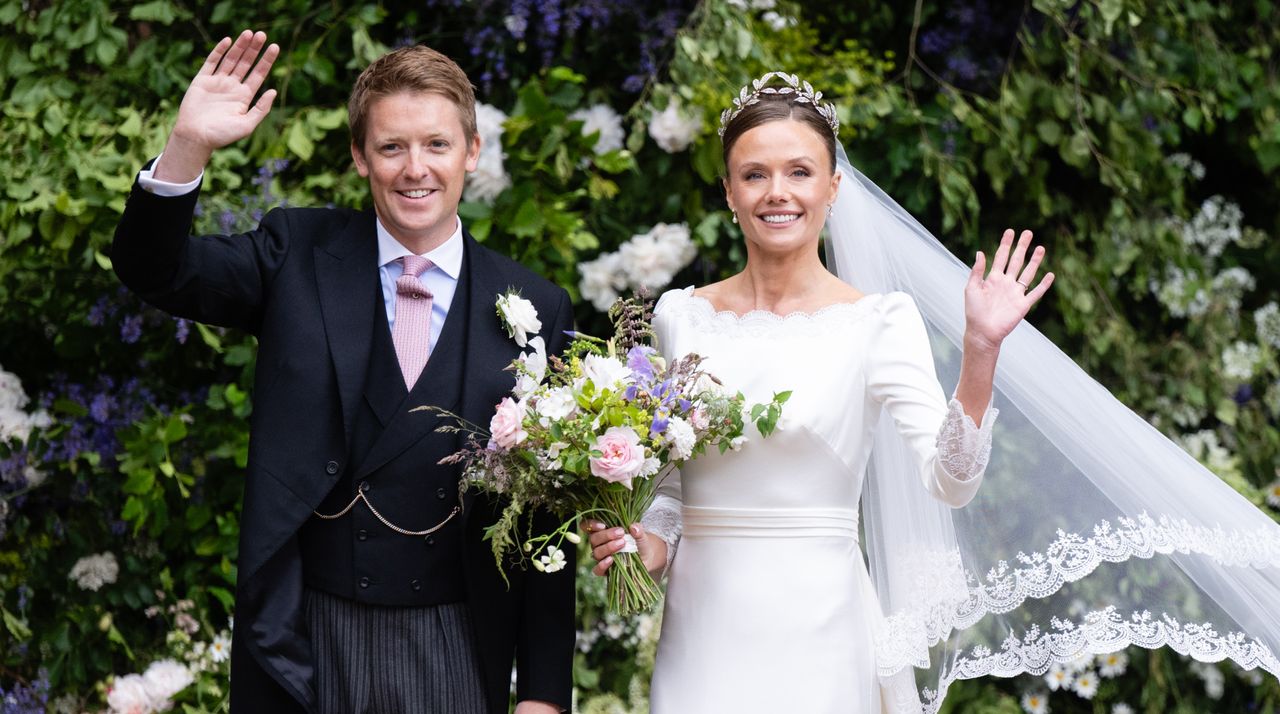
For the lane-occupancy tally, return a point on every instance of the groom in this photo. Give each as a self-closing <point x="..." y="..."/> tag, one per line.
<point x="364" y="584"/>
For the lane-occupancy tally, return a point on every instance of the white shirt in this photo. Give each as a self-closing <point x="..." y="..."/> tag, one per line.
<point x="441" y="279"/>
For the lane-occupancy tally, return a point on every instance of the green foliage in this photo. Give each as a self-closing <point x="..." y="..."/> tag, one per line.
<point x="1109" y="126"/>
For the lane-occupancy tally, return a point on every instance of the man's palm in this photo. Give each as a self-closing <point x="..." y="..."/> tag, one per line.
<point x="218" y="108"/>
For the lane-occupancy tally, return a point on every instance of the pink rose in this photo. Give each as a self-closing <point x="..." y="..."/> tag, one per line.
<point x="506" y="427"/>
<point x="621" y="455"/>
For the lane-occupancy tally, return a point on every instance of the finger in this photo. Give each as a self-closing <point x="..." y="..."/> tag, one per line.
<point x="250" y="56"/>
<point x="232" y="58"/>
<point x="605" y="550"/>
<point x="215" y="56"/>
<point x="599" y="538"/>
<point x="263" y="105"/>
<point x="1041" y="288"/>
<point x="979" y="269"/>
<point x="602" y="566"/>
<point x="1002" y="253"/>
<point x="1019" y="256"/>
<point x="259" y="74"/>
<point x="1028" y="275"/>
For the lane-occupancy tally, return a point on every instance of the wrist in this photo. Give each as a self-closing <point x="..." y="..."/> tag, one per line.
<point x="182" y="160"/>
<point x="979" y="345"/>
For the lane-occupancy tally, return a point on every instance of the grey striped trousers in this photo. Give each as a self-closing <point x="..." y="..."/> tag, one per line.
<point x="372" y="659"/>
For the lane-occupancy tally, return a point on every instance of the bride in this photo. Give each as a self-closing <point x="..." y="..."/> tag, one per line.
<point x="1075" y="546"/>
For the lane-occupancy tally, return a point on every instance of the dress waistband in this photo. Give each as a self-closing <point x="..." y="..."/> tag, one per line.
<point x="770" y="522"/>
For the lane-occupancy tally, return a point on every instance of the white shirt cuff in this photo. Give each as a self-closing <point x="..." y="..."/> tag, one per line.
<point x="151" y="184"/>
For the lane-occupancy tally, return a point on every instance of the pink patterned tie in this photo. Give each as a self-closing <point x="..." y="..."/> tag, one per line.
<point x="412" y="331"/>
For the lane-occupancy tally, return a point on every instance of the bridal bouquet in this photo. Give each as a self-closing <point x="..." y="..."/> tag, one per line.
<point x="594" y="433"/>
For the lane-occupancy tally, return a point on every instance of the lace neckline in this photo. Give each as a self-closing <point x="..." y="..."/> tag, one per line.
<point x="836" y="308"/>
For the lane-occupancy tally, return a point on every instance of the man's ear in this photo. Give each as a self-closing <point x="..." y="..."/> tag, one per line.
<point x="357" y="155"/>
<point x="473" y="152"/>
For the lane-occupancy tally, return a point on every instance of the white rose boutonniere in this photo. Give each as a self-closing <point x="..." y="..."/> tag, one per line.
<point x="519" y="317"/>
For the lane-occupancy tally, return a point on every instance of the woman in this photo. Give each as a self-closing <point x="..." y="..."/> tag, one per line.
<point x="770" y="606"/>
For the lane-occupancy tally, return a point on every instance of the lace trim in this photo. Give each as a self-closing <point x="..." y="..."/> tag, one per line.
<point x="663" y="519"/>
<point x="1100" y="632"/>
<point x="963" y="448"/>
<point x="757" y="323"/>
<point x="904" y="638"/>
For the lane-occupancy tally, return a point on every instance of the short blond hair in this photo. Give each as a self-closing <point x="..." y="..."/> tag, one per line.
<point x="411" y="69"/>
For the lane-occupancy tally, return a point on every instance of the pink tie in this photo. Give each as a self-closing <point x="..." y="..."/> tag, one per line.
<point x="412" y="331"/>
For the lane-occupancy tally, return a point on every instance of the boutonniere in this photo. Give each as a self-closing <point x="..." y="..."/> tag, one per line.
<point x="519" y="317"/>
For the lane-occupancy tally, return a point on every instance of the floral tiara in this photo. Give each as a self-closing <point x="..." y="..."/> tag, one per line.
<point x="798" y="92"/>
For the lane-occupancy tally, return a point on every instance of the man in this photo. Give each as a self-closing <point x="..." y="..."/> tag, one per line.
<point x="364" y="584"/>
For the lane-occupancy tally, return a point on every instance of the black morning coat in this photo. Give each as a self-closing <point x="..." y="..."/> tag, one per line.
<point x="300" y="283"/>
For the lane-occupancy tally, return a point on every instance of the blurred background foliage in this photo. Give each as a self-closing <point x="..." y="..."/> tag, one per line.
<point x="1139" y="139"/>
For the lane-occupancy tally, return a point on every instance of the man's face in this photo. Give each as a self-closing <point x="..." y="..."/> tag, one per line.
<point x="416" y="157"/>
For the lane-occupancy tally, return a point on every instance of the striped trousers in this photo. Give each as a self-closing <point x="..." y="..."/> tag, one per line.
<point x="372" y="659"/>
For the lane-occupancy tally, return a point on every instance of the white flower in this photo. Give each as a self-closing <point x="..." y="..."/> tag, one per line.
<point x="93" y="571"/>
<point x="672" y="130"/>
<point x="602" y="278"/>
<point x="1058" y="677"/>
<point x="1230" y="285"/>
<point x="603" y="119"/>
<point x="553" y="560"/>
<point x="606" y="372"/>
<point x="1113" y="664"/>
<point x="1035" y="703"/>
<point x="556" y="404"/>
<point x="1252" y="676"/>
<point x="1214" y="680"/>
<point x="1086" y="685"/>
<point x="737" y="442"/>
<point x="519" y="317"/>
<point x="651" y="259"/>
<point x="1273" y="494"/>
<point x="1216" y="224"/>
<point x="15" y="422"/>
<point x="533" y="368"/>
<point x="165" y="678"/>
<point x="681" y="438"/>
<point x="1188" y="164"/>
<point x="34" y="476"/>
<point x="516" y="25"/>
<point x="1121" y="708"/>
<point x="129" y="695"/>
<point x="777" y="22"/>
<point x="1081" y="663"/>
<point x="490" y="177"/>
<point x="220" y="648"/>
<point x="738" y="4"/>
<point x="1240" y="359"/>
<point x="1205" y="446"/>
<point x="650" y="466"/>
<point x="1267" y="319"/>
<point x="763" y="4"/>
<point x="1180" y="294"/>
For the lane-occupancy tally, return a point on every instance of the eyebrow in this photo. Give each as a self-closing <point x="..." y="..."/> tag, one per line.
<point x="795" y="160"/>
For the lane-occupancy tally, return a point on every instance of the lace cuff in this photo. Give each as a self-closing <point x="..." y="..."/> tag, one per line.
<point x="663" y="520"/>
<point x="963" y="447"/>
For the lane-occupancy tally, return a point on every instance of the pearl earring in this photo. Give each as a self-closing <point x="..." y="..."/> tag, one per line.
<point x="735" y="215"/>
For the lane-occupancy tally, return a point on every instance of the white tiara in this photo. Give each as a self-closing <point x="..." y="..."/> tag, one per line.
<point x="798" y="92"/>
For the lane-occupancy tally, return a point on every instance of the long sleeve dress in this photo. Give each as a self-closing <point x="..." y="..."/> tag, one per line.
<point x="769" y="606"/>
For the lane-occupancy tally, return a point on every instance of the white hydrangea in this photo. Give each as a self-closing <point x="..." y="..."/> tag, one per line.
<point x="1215" y="225"/>
<point x="15" y="422"/>
<point x="672" y="129"/>
<point x="1267" y="319"/>
<point x="1230" y="285"/>
<point x="777" y="22"/>
<point x="603" y="119"/>
<point x="1240" y="359"/>
<point x="93" y="571"/>
<point x="1204" y="446"/>
<point x="1184" y="161"/>
<point x="490" y="178"/>
<point x="1175" y="293"/>
<point x="680" y="437"/>
<point x="557" y="403"/>
<point x="602" y="280"/>
<point x="651" y="259"/>
<point x="647" y="260"/>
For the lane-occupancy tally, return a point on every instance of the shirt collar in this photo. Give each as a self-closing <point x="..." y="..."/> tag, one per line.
<point x="447" y="256"/>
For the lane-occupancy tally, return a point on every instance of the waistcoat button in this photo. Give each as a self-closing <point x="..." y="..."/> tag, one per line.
<point x="331" y="468"/>
<point x="364" y="582"/>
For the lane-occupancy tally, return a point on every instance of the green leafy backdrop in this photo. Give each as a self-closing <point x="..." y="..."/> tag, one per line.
<point x="1140" y="139"/>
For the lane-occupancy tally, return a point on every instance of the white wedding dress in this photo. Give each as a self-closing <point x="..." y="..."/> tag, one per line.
<point x="769" y="606"/>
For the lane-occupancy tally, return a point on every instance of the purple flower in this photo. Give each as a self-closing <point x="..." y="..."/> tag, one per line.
<point x="99" y="312"/>
<point x="638" y="361"/>
<point x="100" y="408"/>
<point x="182" y="330"/>
<point x="1243" y="394"/>
<point x="131" y="329"/>
<point x="659" y="425"/>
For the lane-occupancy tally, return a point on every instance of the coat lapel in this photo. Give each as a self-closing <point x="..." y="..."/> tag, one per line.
<point x="347" y="278"/>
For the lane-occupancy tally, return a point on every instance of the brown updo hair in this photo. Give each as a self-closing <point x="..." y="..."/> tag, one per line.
<point x="778" y="107"/>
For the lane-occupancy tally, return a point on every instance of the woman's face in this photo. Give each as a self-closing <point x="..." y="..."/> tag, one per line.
<point x="780" y="184"/>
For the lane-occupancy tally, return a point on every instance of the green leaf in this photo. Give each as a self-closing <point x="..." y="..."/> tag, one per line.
<point x="298" y="142"/>
<point x="528" y="221"/>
